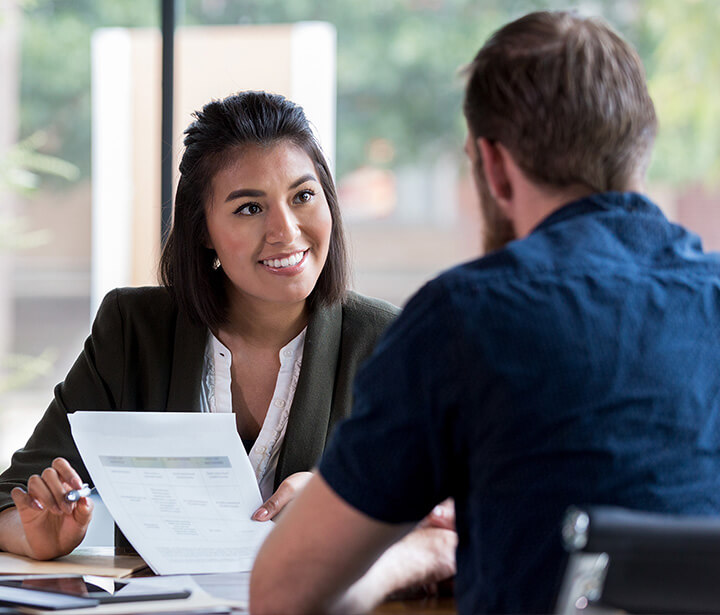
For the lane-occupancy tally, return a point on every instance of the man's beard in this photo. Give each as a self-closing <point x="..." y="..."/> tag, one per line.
<point x="498" y="231"/>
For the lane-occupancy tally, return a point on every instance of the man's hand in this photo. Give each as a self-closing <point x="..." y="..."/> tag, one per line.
<point x="285" y="493"/>
<point x="43" y="525"/>
<point x="418" y="562"/>
<point x="318" y="549"/>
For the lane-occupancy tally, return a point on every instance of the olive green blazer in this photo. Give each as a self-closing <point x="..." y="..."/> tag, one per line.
<point x="145" y="355"/>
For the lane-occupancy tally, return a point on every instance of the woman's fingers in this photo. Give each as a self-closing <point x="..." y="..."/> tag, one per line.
<point x="39" y="490"/>
<point x="48" y="489"/>
<point x="49" y="535"/>
<point x="52" y="525"/>
<point x="275" y="503"/>
<point x="83" y="511"/>
<point x="67" y="473"/>
<point x="442" y="516"/>
<point x="285" y="493"/>
<point x="58" y="488"/>
<point x="23" y="500"/>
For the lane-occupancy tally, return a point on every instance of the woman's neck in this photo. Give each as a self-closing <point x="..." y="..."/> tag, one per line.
<point x="264" y="325"/>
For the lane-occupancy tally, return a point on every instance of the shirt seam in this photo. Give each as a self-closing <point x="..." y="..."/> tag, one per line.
<point x="621" y="269"/>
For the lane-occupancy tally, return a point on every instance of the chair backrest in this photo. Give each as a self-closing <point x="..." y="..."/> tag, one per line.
<point x="640" y="562"/>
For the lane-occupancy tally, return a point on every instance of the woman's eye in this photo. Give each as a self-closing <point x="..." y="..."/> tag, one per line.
<point x="248" y="209"/>
<point x="305" y="196"/>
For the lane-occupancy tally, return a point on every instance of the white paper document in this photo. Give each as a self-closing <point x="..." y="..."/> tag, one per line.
<point x="178" y="484"/>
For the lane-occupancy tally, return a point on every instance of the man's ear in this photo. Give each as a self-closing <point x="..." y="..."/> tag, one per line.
<point x="495" y="167"/>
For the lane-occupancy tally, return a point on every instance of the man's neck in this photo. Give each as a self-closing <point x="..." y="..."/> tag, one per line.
<point x="539" y="203"/>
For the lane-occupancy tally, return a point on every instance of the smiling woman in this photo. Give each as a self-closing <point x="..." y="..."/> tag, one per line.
<point x="271" y="239"/>
<point x="254" y="317"/>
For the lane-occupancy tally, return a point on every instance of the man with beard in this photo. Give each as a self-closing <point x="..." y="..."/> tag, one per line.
<point x="577" y="364"/>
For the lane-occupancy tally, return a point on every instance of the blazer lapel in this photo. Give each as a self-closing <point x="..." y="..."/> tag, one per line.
<point x="187" y="364"/>
<point x="309" y="417"/>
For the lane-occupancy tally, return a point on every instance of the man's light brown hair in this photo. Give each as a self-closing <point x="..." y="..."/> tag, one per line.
<point x="566" y="95"/>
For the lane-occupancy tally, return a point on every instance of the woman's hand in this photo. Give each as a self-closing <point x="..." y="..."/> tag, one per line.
<point x="443" y="516"/>
<point x="52" y="526"/>
<point x="284" y="494"/>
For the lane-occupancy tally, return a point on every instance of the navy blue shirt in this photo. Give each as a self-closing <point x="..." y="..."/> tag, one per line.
<point x="579" y="365"/>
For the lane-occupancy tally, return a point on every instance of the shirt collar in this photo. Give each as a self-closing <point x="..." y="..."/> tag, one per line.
<point x="291" y="350"/>
<point x="607" y="201"/>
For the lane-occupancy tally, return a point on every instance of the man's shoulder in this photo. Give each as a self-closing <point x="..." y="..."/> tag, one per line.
<point x="491" y="269"/>
<point x="471" y="291"/>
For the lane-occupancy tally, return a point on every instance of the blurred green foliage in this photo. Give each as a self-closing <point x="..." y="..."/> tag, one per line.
<point x="21" y="171"/>
<point x="398" y="64"/>
<point x="684" y="79"/>
<point x="55" y="69"/>
<point x="18" y="370"/>
<point x="23" y="165"/>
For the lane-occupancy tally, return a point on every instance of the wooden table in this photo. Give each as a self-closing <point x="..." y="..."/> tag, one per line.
<point x="424" y="606"/>
<point x="105" y="561"/>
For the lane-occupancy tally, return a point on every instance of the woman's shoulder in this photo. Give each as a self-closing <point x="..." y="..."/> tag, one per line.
<point x="368" y="312"/>
<point x="139" y="302"/>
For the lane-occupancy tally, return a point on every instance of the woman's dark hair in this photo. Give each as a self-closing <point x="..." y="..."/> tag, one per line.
<point x="212" y="141"/>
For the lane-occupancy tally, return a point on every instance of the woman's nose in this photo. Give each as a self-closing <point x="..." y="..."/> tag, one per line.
<point x="281" y="225"/>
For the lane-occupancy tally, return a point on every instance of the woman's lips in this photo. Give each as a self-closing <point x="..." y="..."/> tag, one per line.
<point x="291" y="262"/>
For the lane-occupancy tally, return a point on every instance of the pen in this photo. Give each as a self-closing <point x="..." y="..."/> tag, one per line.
<point x="75" y="494"/>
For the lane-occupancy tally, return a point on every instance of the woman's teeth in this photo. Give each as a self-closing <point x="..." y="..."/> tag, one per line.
<point x="279" y="263"/>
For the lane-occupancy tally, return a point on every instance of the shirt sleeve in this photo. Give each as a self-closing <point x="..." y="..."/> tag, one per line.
<point x="392" y="459"/>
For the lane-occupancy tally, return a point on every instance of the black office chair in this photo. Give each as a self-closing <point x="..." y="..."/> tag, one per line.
<point x="639" y="562"/>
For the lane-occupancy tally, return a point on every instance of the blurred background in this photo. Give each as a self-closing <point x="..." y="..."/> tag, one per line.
<point x="79" y="152"/>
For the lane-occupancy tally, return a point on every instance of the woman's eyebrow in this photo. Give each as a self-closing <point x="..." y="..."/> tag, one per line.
<point x="244" y="192"/>
<point x="309" y="177"/>
<point x="238" y="194"/>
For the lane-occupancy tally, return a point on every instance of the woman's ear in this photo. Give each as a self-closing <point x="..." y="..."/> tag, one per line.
<point x="206" y="241"/>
